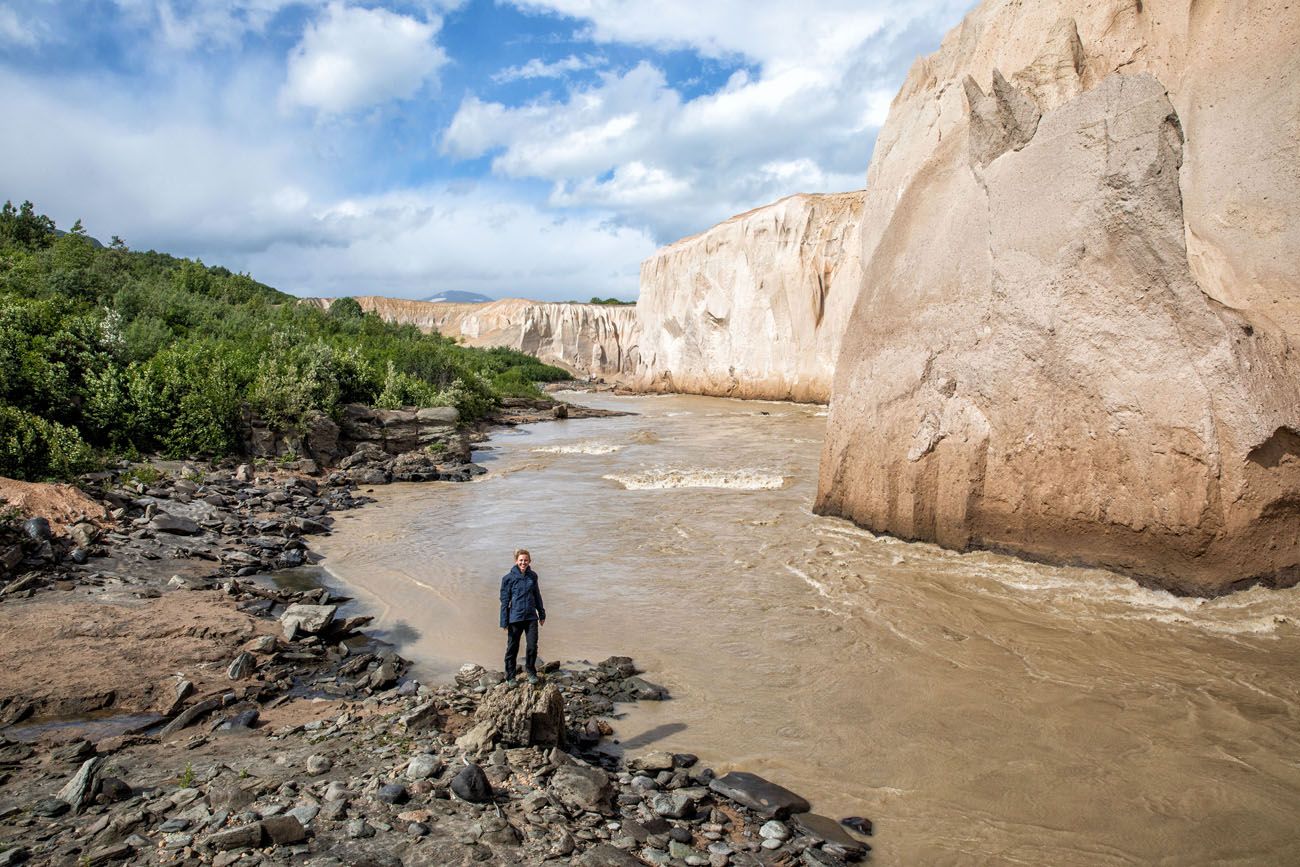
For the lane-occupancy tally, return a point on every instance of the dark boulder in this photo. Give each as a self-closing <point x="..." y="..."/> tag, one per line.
<point x="858" y="824"/>
<point x="826" y="830"/>
<point x="760" y="795"/>
<point x="641" y="689"/>
<point x="472" y="785"/>
<point x="392" y="793"/>
<point x="283" y="830"/>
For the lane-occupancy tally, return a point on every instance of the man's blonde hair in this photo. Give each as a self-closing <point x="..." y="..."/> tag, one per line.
<point x="519" y="551"/>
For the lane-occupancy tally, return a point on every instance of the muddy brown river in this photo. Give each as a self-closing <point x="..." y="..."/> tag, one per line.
<point x="978" y="708"/>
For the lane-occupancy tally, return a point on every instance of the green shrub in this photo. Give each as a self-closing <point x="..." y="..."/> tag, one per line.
<point x="294" y="377"/>
<point x="185" y="400"/>
<point x="35" y="449"/>
<point x="515" y="382"/>
<point x="145" y="474"/>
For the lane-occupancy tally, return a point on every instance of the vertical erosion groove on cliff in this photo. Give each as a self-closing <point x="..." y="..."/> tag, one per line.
<point x="1075" y="335"/>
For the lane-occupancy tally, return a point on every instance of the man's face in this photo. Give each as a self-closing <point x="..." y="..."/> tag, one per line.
<point x="523" y="561"/>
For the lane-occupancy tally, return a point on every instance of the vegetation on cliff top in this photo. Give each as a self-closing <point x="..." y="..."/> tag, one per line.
<point x="103" y="349"/>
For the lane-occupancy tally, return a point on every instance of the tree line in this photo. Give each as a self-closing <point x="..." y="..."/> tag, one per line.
<point x="108" y="352"/>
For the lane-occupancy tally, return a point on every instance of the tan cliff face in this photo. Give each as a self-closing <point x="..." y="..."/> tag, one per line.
<point x="1076" y="334"/>
<point x="754" y="307"/>
<point x="588" y="339"/>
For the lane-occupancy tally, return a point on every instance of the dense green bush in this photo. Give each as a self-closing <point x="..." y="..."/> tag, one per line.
<point x="117" y="350"/>
<point x="185" y="400"/>
<point x="33" y="448"/>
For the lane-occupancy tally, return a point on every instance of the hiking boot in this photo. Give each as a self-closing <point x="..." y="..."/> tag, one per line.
<point x="534" y="679"/>
<point x="510" y="682"/>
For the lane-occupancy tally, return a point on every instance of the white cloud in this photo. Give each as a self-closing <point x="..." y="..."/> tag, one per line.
<point x="189" y="24"/>
<point x="417" y="242"/>
<point x="198" y="186"/>
<point x="630" y="143"/>
<point x="538" y="68"/>
<point x="140" y="171"/>
<point x="17" y="31"/>
<point x="183" y="151"/>
<point x="354" y="58"/>
<point x="632" y="185"/>
<point x="762" y="30"/>
<point x="596" y="128"/>
<point x="801" y="117"/>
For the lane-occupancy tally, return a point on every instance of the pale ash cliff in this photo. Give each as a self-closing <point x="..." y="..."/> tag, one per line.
<point x="589" y="339"/>
<point x="754" y="307"/>
<point x="1076" y="334"/>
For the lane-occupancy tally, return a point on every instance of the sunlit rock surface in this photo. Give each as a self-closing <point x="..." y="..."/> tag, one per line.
<point x="588" y="339"/>
<point x="755" y="306"/>
<point x="1075" y="337"/>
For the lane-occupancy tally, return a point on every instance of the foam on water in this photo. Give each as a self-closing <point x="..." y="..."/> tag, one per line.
<point x="809" y="580"/>
<point x="588" y="448"/>
<point x="1082" y="594"/>
<point x="1264" y="625"/>
<point x="663" y="479"/>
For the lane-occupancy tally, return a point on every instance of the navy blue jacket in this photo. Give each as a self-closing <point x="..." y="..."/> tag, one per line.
<point x="521" y="598"/>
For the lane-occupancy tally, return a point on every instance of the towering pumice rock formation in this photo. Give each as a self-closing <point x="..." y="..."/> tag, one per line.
<point x="755" y="306"/>
<point x="1076" y="336"/>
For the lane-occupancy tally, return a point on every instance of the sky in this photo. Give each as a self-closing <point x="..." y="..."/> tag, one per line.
<point x="517" y="148"/>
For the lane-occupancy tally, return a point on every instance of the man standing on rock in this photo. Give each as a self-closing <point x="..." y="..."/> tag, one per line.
<point x="521" y="613"/>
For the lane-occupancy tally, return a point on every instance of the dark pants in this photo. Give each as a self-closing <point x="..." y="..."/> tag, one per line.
<point x="513" y="631"/>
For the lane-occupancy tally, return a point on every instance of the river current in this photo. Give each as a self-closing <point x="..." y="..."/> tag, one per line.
<point x="980" y="709"/>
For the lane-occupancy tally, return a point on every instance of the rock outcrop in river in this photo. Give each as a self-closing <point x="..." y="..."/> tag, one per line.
<point x="1075" y="338"/>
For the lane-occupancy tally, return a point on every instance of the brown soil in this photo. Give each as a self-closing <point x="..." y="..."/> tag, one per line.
<point x="63" y="505"/>
<point x="67" y="656"/>
<point x="302" y="711"/>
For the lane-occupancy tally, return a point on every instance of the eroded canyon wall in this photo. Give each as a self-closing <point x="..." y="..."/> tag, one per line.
<point x="589" y="339"/>
<point x="754" y="307"/>
<point x="1076" y="333"/>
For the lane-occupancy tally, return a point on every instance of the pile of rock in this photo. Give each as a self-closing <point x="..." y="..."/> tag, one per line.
<point x="394" y="778"/>
<point x="527" y="410"/>
<point x="434" y="431"/>
<point x="237" y="522"/>
<point x="371" y="465"/>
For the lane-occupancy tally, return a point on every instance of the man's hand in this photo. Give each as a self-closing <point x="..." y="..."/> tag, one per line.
<point x="542" y="622"/>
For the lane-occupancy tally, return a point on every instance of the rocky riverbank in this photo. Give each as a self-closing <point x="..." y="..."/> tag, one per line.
<point x="162" y="700"/>
<point x="470" y="772"/>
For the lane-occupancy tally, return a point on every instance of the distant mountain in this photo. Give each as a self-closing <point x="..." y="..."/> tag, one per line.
<point x="455" y="296"/>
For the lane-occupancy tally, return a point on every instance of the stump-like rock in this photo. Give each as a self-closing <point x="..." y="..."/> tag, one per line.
<point x="524" y="716"/>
